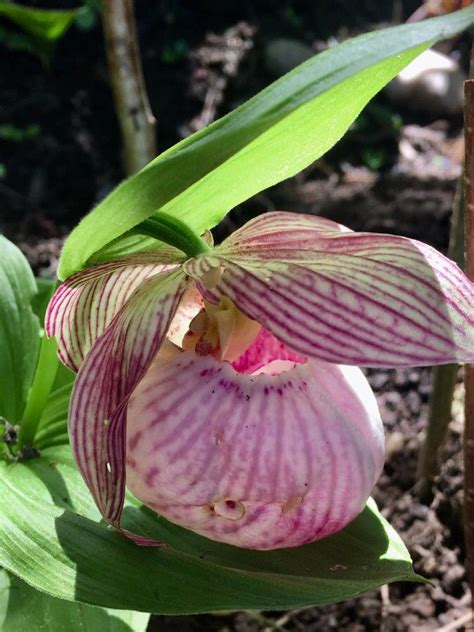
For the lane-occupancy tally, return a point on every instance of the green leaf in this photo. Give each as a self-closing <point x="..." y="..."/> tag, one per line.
<point x="45" y="26"/>
<point x="19" y="330"/>
<point x="52" y="428"/>
<point x="44" y="293"/>
<point x="47" y="515"/>
<point x="16" y="134"/>
<point x="271" y="137"/>
<point x="24" y="608"/>
<point x="45" y="375"/>
<point x="4" y="593"/>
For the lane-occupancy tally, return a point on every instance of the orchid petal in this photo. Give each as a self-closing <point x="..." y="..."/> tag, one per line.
<point x="256" y="461"/>
<point x="280" y="234"/>
<point x="191" y="304"/>
<point x="111" y="370"/>
<point x="353" y="298"/>
<point x="84" y="305"/>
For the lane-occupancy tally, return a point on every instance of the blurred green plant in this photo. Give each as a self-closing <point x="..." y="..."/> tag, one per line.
<point x="16" y="41"/>
<point x="175" y="52"/>
<point x="16" y="134"/>
<point x="371" y="139"/>
<point x="42" y="28"/>
<point x="374" y="158"/>
<point x="88" y="16"/>
<point x="291" y="15"/>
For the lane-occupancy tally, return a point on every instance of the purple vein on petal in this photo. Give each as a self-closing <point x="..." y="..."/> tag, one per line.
<point x="110" y="372"/>
<point x="367" y="310"/>
<point x="84" y="305"/>
<point x="245" y="451"/>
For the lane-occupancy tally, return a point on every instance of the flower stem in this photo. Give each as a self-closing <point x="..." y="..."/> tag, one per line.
<point x="444" y="377"/>
<point x="469" y="368"/>
<point x="174" y="232"/>
<point x="40" y="389"/>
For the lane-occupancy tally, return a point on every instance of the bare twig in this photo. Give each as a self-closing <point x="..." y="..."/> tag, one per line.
<point x="469" y="368"/>
<point x="458" y="623"/>
<point x="136" y="121"/>
<point x="444" y="381"/>
<point x="444" y="377"/>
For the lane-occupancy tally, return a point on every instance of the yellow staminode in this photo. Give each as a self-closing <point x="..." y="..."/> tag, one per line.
<point x="220" y="330"/>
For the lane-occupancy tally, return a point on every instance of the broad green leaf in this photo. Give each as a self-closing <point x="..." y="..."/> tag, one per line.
<point x="271" y="137"/>
<point x="41" y="300"/>
<point x="24" y="608"/>
<point x="47" y="515"/>
<point x="63" y="376"/>
<point x="4" y="593"/>
<point x="19" y="330"/>
<point x="45" y="26"/>
<point x="52" y="429"/>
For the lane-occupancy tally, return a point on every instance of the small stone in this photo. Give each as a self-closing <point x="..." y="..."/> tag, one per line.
<point x="422" y="605"/>
<point x="452" y="579"/>
<point x="401" y="378"/>
<point x="378" y="380"/>
<point x="283" y="54"/>
<point x="433" y="83"/>
<point x="393" y="400"/>
<point x="414" y="402"/>
<point x="394" y="443"/>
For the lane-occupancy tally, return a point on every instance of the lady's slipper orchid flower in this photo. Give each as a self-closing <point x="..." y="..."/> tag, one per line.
<point x="217" y="386"/>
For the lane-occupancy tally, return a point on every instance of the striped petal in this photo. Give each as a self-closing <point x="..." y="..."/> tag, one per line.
<point x="84" y="305"/>
<point x="279" y="235"/>
<point x="112" y="369"/>
<point x="256" y="461"/>
<point x="351" y="298"/>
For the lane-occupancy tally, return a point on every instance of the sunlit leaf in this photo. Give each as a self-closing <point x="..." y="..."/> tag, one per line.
<point x="24" y="608"/>
<point x="41" y="300"/>
<point x="271" y="137"/>
<point x="44" y="26"/>
<point x="52" y="429"/>
<point x="46" y="515"/>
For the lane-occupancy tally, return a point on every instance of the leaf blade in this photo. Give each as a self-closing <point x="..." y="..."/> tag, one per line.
<point x="23" y="607"/>
<point x="240" y="154"/>
<point x="46" y="514"/>
<point x="19" y="330"/>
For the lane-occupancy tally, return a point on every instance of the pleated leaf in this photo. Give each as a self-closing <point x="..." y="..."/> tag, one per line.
<point x="271" y="137"/>
<point x="24" y="608"/>
<point x="19" y="330"/>
<point x="44" y="26"/>
<point x="46" y="515"/>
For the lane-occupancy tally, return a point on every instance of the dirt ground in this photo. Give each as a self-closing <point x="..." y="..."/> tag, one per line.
<point x="205" y="61"/>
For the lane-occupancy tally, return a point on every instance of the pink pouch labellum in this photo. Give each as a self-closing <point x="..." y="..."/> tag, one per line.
<point x="84" y="305"/>
<point x="256" y="461"/>
<point x="275" y="449"/>
<point x="110" y="372"/>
